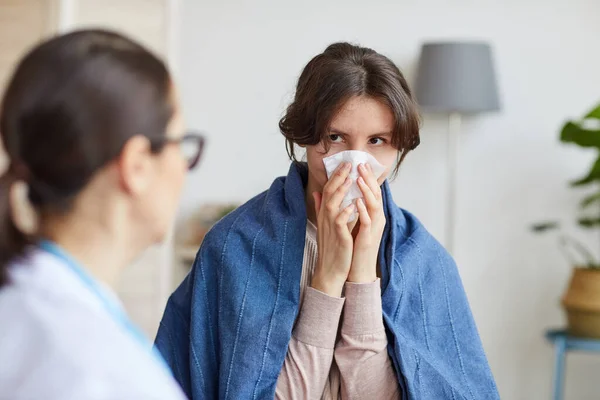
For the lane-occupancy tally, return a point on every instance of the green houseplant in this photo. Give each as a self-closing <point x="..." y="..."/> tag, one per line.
<point x="582" y="298"/>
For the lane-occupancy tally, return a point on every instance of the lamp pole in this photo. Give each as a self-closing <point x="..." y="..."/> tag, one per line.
<point x="454" y="123"/>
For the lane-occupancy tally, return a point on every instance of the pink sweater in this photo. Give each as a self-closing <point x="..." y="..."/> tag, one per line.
<point x="329" y="363"/>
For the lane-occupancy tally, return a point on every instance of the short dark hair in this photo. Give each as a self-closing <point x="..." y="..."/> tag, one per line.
<point x="331" y="78"/>
<point x="69" y="108"/>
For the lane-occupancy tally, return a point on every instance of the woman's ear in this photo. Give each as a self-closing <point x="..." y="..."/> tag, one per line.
<point x="135" y="165"/>
<point x="24" y="215"/>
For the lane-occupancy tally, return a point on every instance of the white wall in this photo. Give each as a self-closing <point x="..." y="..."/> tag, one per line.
<point x="239" y="63"/>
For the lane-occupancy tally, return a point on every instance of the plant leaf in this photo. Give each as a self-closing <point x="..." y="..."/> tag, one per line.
<point x="591" y="199"/>
<point x="592" y="176"/>
<point x="544" y="226"/>
<point x="595" y="113"/>
<point x="569" y="242"/>
<point x="572" y="132"/>
<point x="589" y="222"/>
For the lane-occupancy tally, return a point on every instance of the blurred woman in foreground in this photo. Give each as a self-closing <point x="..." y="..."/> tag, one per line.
<point x="92" y="126"/>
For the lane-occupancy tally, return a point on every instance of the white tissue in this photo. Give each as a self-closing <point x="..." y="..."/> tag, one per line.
<point x="354" y="157"/>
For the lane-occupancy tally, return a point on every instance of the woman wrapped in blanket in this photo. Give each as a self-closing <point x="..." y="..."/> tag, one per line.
<point x="309" y="292"/>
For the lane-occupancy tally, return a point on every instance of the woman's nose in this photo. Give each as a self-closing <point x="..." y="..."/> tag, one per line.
<point x="356" y="146"/>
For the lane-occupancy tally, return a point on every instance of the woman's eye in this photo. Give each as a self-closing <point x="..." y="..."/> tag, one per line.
<point x="335" y="138"/>
<point x="376" y="141"/>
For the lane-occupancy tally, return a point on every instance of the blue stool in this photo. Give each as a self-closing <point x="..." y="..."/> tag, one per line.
<point x="563" y="343"/>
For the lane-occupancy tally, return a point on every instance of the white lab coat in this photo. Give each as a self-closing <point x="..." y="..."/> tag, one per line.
<point x="58" y="341"/>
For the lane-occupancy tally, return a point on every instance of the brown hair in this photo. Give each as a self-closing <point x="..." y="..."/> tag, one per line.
<point x="72" y="103"/>
<point x="331" y="78"/>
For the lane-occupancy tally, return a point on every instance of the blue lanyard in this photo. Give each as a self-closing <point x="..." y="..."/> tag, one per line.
<point x="111" y="306"/>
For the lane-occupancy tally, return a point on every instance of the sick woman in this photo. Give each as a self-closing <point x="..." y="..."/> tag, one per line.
<point x="322" y="287"/>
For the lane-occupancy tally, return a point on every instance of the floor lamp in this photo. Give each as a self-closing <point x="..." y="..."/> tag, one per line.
<point x="457" y="79"/>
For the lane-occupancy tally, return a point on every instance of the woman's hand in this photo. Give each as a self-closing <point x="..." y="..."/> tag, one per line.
<point x="334" y="237"/>
<point x="372" y="223"/>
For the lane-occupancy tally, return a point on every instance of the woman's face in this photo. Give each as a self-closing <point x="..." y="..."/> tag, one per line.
<point x="361" y="124"/>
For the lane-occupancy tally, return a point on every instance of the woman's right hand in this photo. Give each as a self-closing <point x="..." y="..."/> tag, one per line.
<point x="334" y="236"/>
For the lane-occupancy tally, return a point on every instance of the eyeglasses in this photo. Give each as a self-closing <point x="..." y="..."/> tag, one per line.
<point x="191" y="145"/>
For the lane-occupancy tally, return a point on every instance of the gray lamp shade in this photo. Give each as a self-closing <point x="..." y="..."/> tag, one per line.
<point x="456" y="77"/>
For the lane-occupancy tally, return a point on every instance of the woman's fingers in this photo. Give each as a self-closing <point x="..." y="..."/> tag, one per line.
<point x="366" y="172"/>
<point x="363" y="214"/>
<point x="339" y="184"/>
<point x="337" y="179"/>
<point x="335" y="189"/>
<point x="334" y="202"/>
<point x="371" y="180"/>
<point x="341" y="221"/>
<point x="318" y="197"/>
<point x="371" y="201"/>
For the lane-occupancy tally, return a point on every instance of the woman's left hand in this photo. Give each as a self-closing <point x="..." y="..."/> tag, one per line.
<point x="372" y="223"/>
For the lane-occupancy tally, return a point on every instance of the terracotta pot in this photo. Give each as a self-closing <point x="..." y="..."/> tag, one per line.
<point x="582" y="303"/>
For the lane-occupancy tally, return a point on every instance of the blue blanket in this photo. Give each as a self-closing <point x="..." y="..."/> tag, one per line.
<point x="226" y="329"/>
